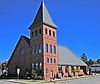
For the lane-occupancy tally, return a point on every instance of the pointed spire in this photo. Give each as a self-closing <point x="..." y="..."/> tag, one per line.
<point x="43" y="17"/>
<point x="42" y="0"/>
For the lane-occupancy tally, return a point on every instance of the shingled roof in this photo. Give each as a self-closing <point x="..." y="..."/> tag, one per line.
<point x="66" y="57"/>
<point x="43" y="16"/>
<point x="26" y="39"/>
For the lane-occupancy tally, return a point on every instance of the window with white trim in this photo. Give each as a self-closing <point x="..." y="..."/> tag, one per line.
<point x="54" y="49"/>
<point x="50" y="48"/>
<point x="50" y="60"/>
<point x="46" y="47"/>
<point x="47" y="60"/>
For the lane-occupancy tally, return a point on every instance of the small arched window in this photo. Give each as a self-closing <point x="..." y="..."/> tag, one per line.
<point x="53" y="33"/>
<point x="33" y="65"/>
<point x="40" y="31"/>
<point x="50" y="60"/>
<point x="40" y="48"/>
<point x="50" y="32"/>
<point x="54" y="49"/>
<point x="40" y="65"/>
<point x="37" y="49"/>
<point x="47" y="60"/>
<point x="46" y="31"/>
<point x="22" y="51"/>
<point x="54" y="60"/>
<point x="36" y="32"/>
<point x="33" y="50"/>
<point x="46" y="47"/>
<point x="50" y="48"/>
<point x="32" y="34"/>
<point x="36" y="66"/>
<point x="47" y="70"/>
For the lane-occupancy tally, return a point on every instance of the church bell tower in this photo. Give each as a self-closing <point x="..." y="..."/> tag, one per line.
<point x="43" y="43"/>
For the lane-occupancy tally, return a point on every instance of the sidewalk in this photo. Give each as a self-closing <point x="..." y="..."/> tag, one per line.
<point x="21" y="81"/>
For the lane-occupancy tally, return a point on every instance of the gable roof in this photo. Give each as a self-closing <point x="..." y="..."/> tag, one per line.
<point x="66" y="57"/>
<point x="26" y="39"/>
<point x="43" y="16"/>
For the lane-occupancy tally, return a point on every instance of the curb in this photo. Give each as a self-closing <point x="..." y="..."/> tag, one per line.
<point x="15" y="81"/>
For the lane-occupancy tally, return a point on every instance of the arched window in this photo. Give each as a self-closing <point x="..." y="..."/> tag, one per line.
<point x="33" y="50"/>
<point x="36" y="32"/>
<point x="22" y="51"/>
<point x="59" y="68"/>
<point x="53" y="33"/>
<point x="50" y="48"/>
<point x="47" y="60"/>
<point x="32" y="66"/>
<point x="32" y="34"/>
<point x="54" y="60"/>
<point x="40" y="48"/>
<point x="54" y="49"/>
<point x="47" y="70"/>
<point x="50" y="60"/>
<point x="37" y="49"/>
<point x="46" y="31"/>
<point x="36" y="66"/>
<point x="50" y="32"/>
<point x="40" y="31"/>
<point x="40" y="65"/>
<point x="46" y="47"/>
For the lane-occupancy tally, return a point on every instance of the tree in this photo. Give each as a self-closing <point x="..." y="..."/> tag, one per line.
<point x="90" y="62"/>
<point x="84" y="57"/>
<point x="0" y="65"/>
<point x="0" y="68"/>
<point x="98" y="61"/>
<point x="94" y="62"/>
<point x="3" y="66"/>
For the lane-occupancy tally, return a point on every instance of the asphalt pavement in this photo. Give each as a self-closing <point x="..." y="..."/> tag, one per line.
<point x="7" y="82"/>
<point x="83" y="80"/>
<point x="87" y="80"/>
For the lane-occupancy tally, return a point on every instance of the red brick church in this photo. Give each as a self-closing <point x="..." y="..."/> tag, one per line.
<point x="41" y="51"/>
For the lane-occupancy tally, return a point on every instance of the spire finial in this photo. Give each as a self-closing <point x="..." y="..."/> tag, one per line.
<point x="42" y="0"/>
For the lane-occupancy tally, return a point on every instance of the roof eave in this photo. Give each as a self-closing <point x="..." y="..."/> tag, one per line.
<point x="71" y="64"/>
<point x="53" y="26"/>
